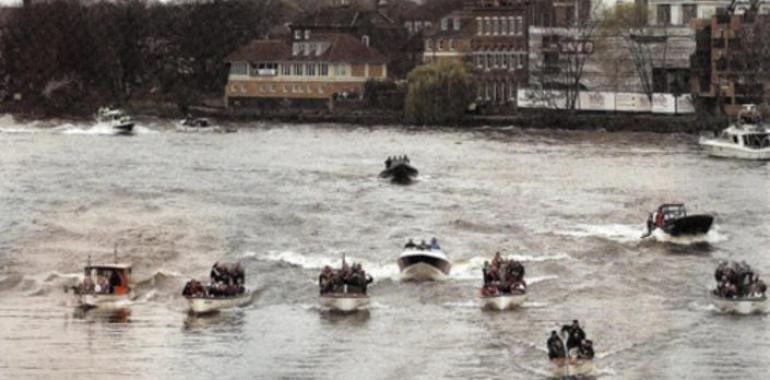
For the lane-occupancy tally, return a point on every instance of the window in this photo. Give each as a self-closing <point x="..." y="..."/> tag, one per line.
<point x="307" y="34"/>
<point x="506" y="59"/>
<point x="417" y="26"/>
<point x="285" y="69"/>
<point x="487" y="26"/>
<point x="297" y="34"/>
<point x="408" y="26"/>
<point x="428" y="25"/>
<point x="479" y="26"/>
<point x="689" y="12"/>
<point x="341" y="70"/>
<point x="298" y="69"/>
<point x="324" y="69"/>
<point x="456" y="23"/>
<point x="495" y="26"/>
<point x="664" y="14"/>
<point x="440" y="45"/>
<point x="428" y="44"/>
<point x="489" y="62"/>
<point x="365" y="40"/>
<point x="445" y="23"/>
<point x="451" y="44"/>
<point x="310" y="69"/>
<point x="239" y="68"/>
<point x="498" y="60"/>
<point x="519" y="25"/>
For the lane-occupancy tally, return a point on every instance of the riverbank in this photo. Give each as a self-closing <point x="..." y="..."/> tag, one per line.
<point x="358" y="115"/>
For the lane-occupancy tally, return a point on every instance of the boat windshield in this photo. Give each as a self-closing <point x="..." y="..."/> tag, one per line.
<point x="756" y="140"/>
<point x="673" y="211"/>
<point x="106" y="280"/>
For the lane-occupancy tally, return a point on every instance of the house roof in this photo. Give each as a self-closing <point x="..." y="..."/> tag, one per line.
<point x="343" y="48"/>
<point x="434" y="10"/>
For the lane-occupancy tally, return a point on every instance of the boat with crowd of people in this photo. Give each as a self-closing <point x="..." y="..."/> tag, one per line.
<point x="672" y="220"/>
<point x="423" y="262"/>
<point x="225" y="290"/>
<point x="739" y="289"/>
<point x="504" y="287"/>
<point x="104" y="286"/>
<point x="748" y="138"/>
<point x="575" y="358"/>
<point x="399" y="170"/>
<point x="344" y="289"/>
<point x="117" y="118"/>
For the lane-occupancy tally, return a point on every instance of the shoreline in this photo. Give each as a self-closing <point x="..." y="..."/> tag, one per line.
<point x="523" y="119"/>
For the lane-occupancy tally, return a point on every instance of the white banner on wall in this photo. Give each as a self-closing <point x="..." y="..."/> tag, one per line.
<point x="608" y="101"/>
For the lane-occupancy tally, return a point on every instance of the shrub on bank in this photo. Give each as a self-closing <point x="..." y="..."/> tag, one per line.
<point x="439" y="93"/>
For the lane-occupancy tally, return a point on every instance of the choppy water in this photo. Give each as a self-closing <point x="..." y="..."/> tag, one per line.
<point x="287" y="200"/>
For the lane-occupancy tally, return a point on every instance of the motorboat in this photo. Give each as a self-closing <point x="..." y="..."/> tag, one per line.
<point x="105" y="286"/>
<point x="118" y="119"/>
<point x="503" y="301"/>
<point x="570" y="368"/>
<point x="205" y="304"/>
<point x="344" y="301"/>
<point x="399" y="171"/>
<point x="423" y="264"/>
<point x="671" y="220"/>
<point x="740" y="305"/>
<point x="748" y="138"/>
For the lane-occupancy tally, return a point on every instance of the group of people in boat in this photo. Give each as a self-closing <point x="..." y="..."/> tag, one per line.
<point x="578" y="347"/>
<point x="346" y="280"/>
<point x="738" y="280"/>
<point x="102" y="281"/>
<point x="394" y="159"/>
<point x="227" y="280"/>
<point x="503" y="276"/>
<point x="423" y="246"/>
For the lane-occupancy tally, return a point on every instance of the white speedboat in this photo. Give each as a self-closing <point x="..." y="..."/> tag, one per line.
<point x="423" y="264"/>
<point x="105" y="286"/>
<point x="118" y="119"/>
<point x="747" y="139"/>
<point x="344" y="302"/>
<point x="502" y="302"/>
<point x="210" y="304"/>
<point x="569" y="368"/>
<point x="743" y="305"/>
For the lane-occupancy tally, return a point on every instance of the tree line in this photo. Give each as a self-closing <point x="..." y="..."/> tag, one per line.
<point x="61" y="55"/>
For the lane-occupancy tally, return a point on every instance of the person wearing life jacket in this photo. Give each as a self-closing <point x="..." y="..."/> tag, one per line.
<point x="555" y="347"/>
<point x="586" y="350"/>
<point x="575" y="334"/>
<point x="658" y="217"/>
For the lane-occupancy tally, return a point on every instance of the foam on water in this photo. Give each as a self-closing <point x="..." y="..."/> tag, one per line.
<point x="99" y="129"/>
<point x="621" y="233"/>
<point x="712" y="237"/>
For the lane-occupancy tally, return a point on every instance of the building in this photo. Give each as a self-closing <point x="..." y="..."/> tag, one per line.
<point x="308" y="71"/>
<point x="731" y="65"/>
<point x="684" y="12"/>
<point x="370" y="24"/>
<point x="491" y="37"/>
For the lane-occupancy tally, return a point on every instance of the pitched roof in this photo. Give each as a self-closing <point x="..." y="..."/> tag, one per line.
<point x="342" y="48"/>
<point x="261" y="49"/>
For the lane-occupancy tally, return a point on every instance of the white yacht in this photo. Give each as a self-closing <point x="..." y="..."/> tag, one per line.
<point x="118" y="119"/>
<point x="423" y="263"/>
<point x="747" y="139"/>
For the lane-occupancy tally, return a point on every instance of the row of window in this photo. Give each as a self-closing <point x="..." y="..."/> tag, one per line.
<point x="283" y="89"/>
<point x="290" y="69"/>
<point x="498" y="92"/>
<point x="500" y="26"/>
<point x="454" y="21"/>
<point x="500" y="60"/>
<point x="417" y="26"/>
<point x="440" y="45"/>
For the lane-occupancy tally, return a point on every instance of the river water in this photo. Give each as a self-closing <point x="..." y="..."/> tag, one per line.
<point x="286" y="200"/>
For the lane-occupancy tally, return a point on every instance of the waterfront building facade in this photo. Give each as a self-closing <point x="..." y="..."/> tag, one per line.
<point x="311" y="70"/>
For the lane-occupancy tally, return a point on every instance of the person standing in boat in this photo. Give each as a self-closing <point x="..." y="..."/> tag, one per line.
<point x="555" y="347"/>
<point x="575" y="335"/>
<point x="410" y="244"/>
<point x="586" y="350"/>
<point x="434" y="244"/>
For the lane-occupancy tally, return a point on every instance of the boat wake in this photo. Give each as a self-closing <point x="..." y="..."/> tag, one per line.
<point x="712" y="237"/>
<point x="620" y="233"/>
<point x="98" y="129"/>
<point x="462" y="269"/>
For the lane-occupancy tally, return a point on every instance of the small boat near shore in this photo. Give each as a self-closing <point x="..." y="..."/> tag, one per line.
<point x="423" y="263"/>
<point x="671" y="220"/>
<point x="748" y="138"/>
<point x="399" y="170"/>
<point x="104" y="287"/>
<point x="118" y="119"/>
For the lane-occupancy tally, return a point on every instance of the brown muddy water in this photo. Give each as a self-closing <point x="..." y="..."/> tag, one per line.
<point x="286" y="200"/>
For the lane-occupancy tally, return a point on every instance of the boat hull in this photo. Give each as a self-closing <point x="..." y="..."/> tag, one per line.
<point x="124" y="128"/>
<point x="503" y="302"/>
<point x="424" y="270"/>
<point x="401" y="172"/>
<point x="104" y="301"/>
<point x="344" y="303"/>
<point x="725" y="150"/>
<point x="203" y="305"/>
<point x="563" y="368"/>
<point x="692" y="225"/>
<point x="740" y="306"/>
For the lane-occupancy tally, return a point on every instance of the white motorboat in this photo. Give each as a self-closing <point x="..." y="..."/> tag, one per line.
<point x="344" y="302"/>
<point x="747" y="139"/>
<point x="743" y="305"/>
<point x="210" y="304"/>
<point x="105" y="286"/>
<point x="423" y="264"/>
<point x="502" y="302"/>
<point x="118" y="119"/>
<point x="569" y="368"/>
